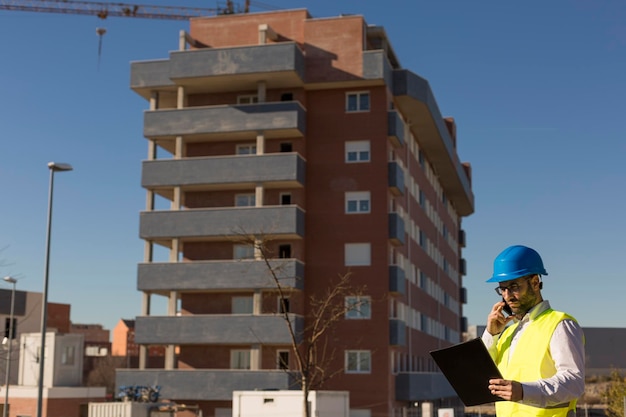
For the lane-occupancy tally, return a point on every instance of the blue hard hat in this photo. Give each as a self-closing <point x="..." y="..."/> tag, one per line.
<point x="516" y="262"/>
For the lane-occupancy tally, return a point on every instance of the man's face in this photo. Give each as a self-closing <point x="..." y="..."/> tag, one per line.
<point x="520" y="295"/>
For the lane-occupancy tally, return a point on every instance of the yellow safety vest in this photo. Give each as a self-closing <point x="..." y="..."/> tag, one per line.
<point x="530" y="361"/>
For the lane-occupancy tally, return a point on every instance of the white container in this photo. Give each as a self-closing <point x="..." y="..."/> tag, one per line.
<point x="120" y="409"/>
<point x="290" y="403"/>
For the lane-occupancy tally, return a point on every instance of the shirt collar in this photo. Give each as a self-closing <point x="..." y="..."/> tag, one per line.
<point x="536" y="311"/>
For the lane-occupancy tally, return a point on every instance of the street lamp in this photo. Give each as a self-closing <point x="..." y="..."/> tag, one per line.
<point x="54" y="167"/>
<point x="5" y="412"/>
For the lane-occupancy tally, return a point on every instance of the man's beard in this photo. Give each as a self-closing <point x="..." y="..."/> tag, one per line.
<point x="526" y="301"/>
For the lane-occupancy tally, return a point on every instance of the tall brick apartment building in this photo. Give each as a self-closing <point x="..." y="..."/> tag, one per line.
<point x="308" y="132"/>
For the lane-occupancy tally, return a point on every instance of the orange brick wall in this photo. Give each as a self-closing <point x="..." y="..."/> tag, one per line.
<point x="243" y="29"/>
<point x="334" y="49"/>
<point x="51" y="407"/>
<point x="59" y="317"/>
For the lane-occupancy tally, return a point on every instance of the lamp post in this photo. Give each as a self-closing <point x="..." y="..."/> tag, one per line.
<point x="5" y="412"/>
<point x="54" y="167"/>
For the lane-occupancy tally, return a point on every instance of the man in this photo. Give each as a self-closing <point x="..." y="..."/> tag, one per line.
<point x="541" y="354"/>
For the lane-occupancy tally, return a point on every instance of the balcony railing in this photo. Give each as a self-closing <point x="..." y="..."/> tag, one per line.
<point x="279" y="65"/>
<point x="285" y="169"/>
<point x="222" y="223"/>
<point x="284" y="60"/>
<point x="218" y="275"/>
<point x="206" y="384"/>
<point x="396" y="178"/>
<point x="396" y="229"/>
<point x="275" y="120"/>
<point x="216" y="329"/>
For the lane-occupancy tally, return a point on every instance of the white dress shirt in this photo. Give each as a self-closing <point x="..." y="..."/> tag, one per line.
<point x="567" y="351"/>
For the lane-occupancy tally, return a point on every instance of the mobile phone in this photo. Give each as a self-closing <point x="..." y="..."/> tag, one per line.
<point x="506" y="308"/>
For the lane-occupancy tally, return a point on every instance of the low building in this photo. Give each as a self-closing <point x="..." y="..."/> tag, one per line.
<point x="97" y="345"/>
<point x="62" y="392"/>
<point x="27" y="319"/>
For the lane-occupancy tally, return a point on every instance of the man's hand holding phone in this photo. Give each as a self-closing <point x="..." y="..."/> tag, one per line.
<point x="497" y="320"/>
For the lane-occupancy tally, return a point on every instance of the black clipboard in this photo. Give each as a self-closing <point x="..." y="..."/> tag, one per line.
<point x="468" y="367"/>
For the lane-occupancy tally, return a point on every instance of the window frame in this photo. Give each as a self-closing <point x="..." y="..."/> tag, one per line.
<point x="358" y="95"/>
<point x="68" y="355"/>
<point x="244" y="352"/>
<point x="283" y="195"/>
<point x="249" y="303"/>
<point x="280" y="361"/>
<point x="358" y="148"/>
<point x="357" y="313"/>
<point x="279" y="304"/>
<point x="251" y="197"/>
<point x="356" y="250"/>
<point x="284" y="250"/>
<point x="358" y="197"/>
<point x="359" y="361"/>
<point x="238" y="251"/>
<point x="247" y="99"/>
<point x="242" y="146"/>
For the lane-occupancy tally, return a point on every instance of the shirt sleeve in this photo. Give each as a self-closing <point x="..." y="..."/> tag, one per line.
<point x="568" y="353"/>
<point x="490" y="342"/>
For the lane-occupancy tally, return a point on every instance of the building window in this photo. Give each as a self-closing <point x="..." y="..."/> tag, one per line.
<point x="7" y="327"/>
<point x="420" y="158"/>
<point x="242" y="305"/>
<point x="423" y="281"/>
<point x="283" y="305"/>
<point x="67" y="355"/>
<point x="358" y="151"/>
<point x="282" y="359"/>
<point x="239" y="359"/>
<point x="358" y="361"/>
<point x="358" y="307"/>
<point x="243" y="252"/>
<point x="359" y="101"/>
<point x="423" y="239"/>
<point x="358" y="202"/>
<point x="284" y="251"/>
<point x="422" y="199"/>
<point x="246" y="149"/>
<point x="286" y="97"/>
<point x="245" y="200"/>
<point x="247" y="99"/>
<point x="357" y="254"/>
<point x="285" y="199"/>
<point x="286" y="147"/>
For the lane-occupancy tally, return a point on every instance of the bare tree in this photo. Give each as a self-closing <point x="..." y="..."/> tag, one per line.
<point x="103" y="373"/>
<point x="313" y="353"/>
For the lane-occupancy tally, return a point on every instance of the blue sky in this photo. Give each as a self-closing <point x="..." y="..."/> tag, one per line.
<point x="536" y="88"/>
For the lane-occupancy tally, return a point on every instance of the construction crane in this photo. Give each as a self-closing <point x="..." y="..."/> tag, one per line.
<point x="106" y="9"/>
